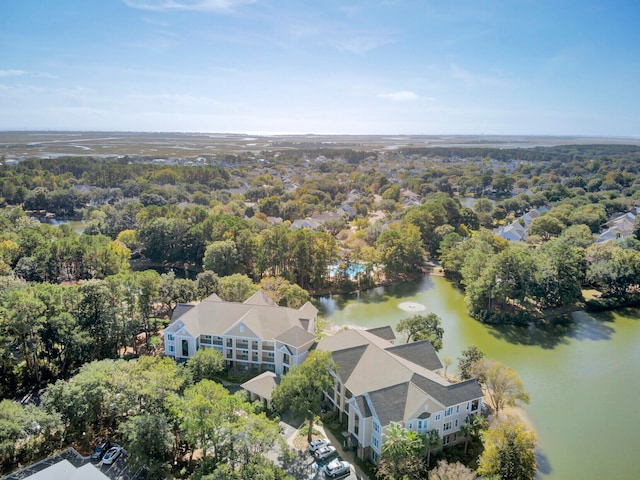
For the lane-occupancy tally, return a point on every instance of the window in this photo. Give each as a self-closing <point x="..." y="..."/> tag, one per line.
<point x="229" y="342"/>
<point x="410" y="426"/>
<point x="445" y="440"/>
<point x="437" y="416"/>
<point x="185" y="348"/>
<point x="468" y="406"/>
<point x="457" y="408"/>
<point x="241" y="328"/>
<point x="356" y="425"/>
<point x="172" y="348"/>
<point x="474" y="405"/>
<point x="419" y="424"/>
<point x="170" y="337"/>
<point x="456" y="423"/>
<point x="446" y="427"/>
<point x="376" y="442"/>
<point x="376" y="427"/>
<point x="448" y="411"/>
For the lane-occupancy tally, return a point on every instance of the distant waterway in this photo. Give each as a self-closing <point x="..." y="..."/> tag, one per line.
<point x="583" y="375"/>
<point x="76" y="225"/>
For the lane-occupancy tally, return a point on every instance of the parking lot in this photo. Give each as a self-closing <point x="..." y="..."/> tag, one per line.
<point x="118" y="470"/>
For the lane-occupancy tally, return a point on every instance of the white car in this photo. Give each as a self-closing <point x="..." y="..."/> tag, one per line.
<point x="316" y="444"/>
<point x="325" y="452"/>
<point x="112" y="455"/>
<point x="337" y="468"/>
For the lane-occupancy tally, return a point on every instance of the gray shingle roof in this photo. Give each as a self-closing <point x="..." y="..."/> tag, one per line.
<point x="296" y="337"/>
<point x="386" y="333"/>
<point x="181" y="309"/>
<point x="263" y="319"/>
<point x="363" y="406"/>
<point x="398" y="380"/>
<point x="347" y="359"/>
<point x="262" y="385"/>
<point x="451" y="394"/>
<point x="389" y="403"/>
<point x="421" y="353"/>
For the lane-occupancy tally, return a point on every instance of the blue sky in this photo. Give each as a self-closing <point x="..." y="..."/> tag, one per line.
<point x="313" y="66"/>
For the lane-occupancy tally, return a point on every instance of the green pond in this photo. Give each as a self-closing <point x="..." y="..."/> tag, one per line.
<point x="583" y="376"/>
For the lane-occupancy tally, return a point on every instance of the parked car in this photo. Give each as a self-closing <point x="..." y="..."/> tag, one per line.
<point x="316" y="444"/>
<point x="325" y="452"/>
<point x="337" y="468"/>
<point x="112" y="455"/>
<point x="100" y="449"/>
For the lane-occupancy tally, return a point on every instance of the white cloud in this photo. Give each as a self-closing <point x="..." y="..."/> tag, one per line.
<point x="24" y="73"/>
<point x="12" y="73"/>
<point x="401" y="96"/>
<point x="473" y="79"/>
<point x="359" y="44"/>
<point x="195" y="5"/>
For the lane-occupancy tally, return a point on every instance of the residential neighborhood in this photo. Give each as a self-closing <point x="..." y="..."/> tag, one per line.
<point x="377" y="382"/>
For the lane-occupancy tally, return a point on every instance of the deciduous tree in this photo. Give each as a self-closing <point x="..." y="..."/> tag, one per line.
<point x="504" y="386"/>
<point x="509" y="452"/>
<point x="423" y="327"/>
<point x="301" y="389"/>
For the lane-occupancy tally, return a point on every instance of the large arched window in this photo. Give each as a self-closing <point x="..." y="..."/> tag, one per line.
<point x="185" y="348"/>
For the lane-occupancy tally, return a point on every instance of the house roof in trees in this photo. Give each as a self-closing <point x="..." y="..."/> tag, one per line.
<point x="181" y="309"/>
<point x="258" y="317"/>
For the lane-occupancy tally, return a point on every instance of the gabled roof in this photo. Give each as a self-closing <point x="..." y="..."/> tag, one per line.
<point x="421" y="353"/>
<point x="259" y="298"/>
<point x="347" y="359"/>
<point x="388" y="403"/>
<point x="181" y="309"/>
<point x="263" y="318"/>
<point x="262" y="385"/>
<point x="397" y="381"/>
<point x="451" y="394"/>
<point x="386" y="332"/>
<point x="296" y="337"/>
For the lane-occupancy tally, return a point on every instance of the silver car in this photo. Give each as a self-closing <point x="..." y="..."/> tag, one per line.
<point x="112" y="455"/>
<point x="337" y="468"/>
<point x="316" y="444"/>
<point x="325" y="452"/>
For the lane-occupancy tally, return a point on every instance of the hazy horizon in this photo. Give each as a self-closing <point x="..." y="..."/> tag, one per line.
<point x="265" y="67"/>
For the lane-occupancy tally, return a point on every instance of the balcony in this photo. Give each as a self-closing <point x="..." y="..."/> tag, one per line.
<point x="267" y="348"/>
<point x="268" y="359"/>
<point x="243" y="344"/>
<point x="242" y="357"/>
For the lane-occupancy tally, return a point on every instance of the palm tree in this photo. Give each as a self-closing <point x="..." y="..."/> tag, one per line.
<point x="400" y="445"/>
<point x="471" y="429"/>
<point x="466" y="429"/>
<point x="432" y="440"/>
